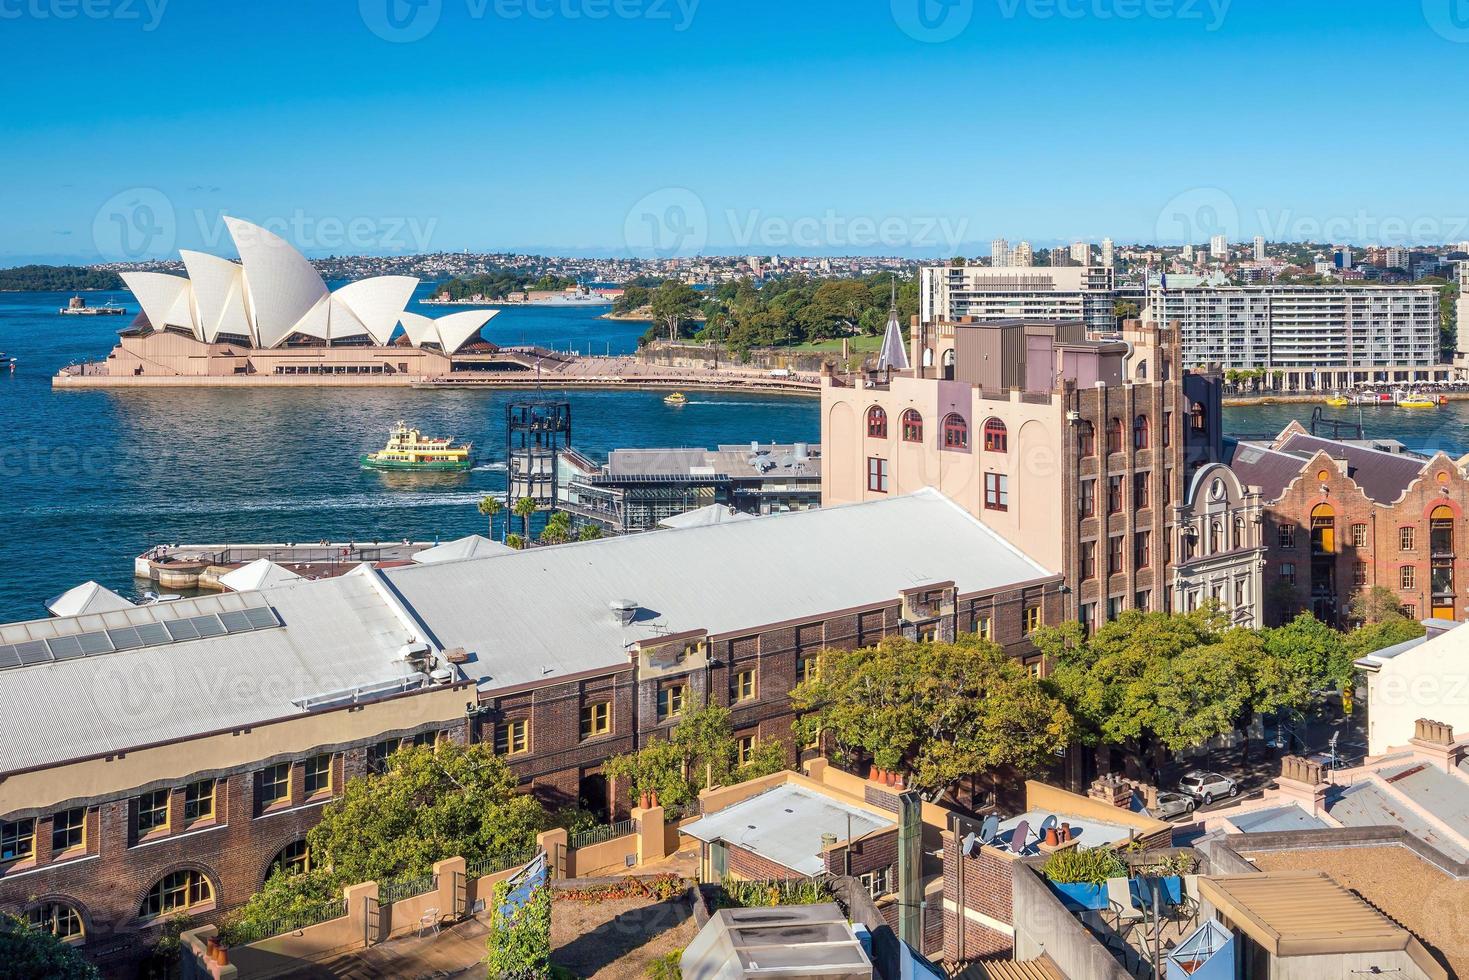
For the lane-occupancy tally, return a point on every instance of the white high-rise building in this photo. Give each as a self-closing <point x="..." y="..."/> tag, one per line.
<point x="1000" y="256"/>
<point x="1107" y="255"/>
<point x="1081" y="253"/>
<point x="1259" y="248"/>
<point x="1023" y="257"/>
<point x="1036" y="293"/>
<point x="1219" y="247"/>
<point x="1399" y="258"/>
<point x="1461" y="319"/>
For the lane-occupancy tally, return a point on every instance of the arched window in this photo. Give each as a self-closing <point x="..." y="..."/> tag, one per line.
<point x="177" y="891"/>
<point x="1323" y="530"/>
<point x="293" y="859"/>
<point x="1140" y="432"/>
<point x="1114" y="436"/>
<point x="956" y="432"/>
<point x="1441" y="532"/>
<point x="877" y="423"/>
<point x="1142" y="370"/>
<point x="1239" y="532"/>
<point x="58" y="918"/>
<point x="1199" y="417"/>
<point x="912" y="426"/>
<point x="996" y="438"/>
<point x="1086" y="439"/>
<point x="949" y="364"/>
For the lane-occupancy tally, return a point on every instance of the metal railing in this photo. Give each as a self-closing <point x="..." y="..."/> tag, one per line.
<point x="246" y="933"/>
<point x="500" y="861"/>
<point x="596" y="835"/>
<point x="396" y="891"/>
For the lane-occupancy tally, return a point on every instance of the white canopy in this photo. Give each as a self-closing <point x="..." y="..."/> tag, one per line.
<point x="261" y="573"/>
<point x="473" y="546"/>
<point x="89" y="597"/>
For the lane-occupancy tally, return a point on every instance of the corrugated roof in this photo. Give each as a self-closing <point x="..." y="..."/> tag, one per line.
<point x="544" y="613"/>
<point x="1366" y="804"/>
<point x="1276" y="819"/>
<point x="1383" y="476"/>
<point x="1263" y="467"/>
<point x="337" y="633"/>
<point x="704" y="516"/>
<point x="470" y="546"/>
<point x="1302" y="913"/>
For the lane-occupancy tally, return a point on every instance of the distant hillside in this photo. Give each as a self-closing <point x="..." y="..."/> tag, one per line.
<point x="56" y="278"/>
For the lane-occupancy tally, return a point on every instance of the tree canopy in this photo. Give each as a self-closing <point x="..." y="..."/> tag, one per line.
<point x="29" y="952"/>
<point x="700" y="752"/>
<point x="942" y="711"/>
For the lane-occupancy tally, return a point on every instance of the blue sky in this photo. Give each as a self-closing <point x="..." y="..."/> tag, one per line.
<point x="806" y="126"/>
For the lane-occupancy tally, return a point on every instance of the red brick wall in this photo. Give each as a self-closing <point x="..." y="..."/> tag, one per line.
<point x="987" y="888"/>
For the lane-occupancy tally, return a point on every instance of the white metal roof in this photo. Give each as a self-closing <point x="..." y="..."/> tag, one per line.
<point x="704" y="516"/>
<point x="336" y="634"/>
<point x="472" y="546"/>
<point x="543" y="613"/>
<point x="89" y="597"/>
<point x="262" y="573"/>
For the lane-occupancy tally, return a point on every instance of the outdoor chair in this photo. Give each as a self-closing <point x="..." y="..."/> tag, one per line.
<point x="1123" y="912"/>
<point x="429" y="921"/>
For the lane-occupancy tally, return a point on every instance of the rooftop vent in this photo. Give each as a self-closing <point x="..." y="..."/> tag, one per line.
<point x="442" y="675"/>
<point x="802" y="452"/>
<point x="624" y="611"/>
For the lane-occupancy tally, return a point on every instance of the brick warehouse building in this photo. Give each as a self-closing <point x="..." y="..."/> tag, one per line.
<point x="1343" y="517"/>
<point x="1033" y="426"/>
<point x="169" y="755"/>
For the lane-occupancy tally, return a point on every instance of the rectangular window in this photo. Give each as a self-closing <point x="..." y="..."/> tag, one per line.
<point x="1288" y="572"/>
<point x="1359" y="535"/>
<point x="1114" y="555"/>
<point x="984" y="626"/>
<point x="1410" y="610"/>
<point x="877" y="882"/>
<point x="1359" y="573"/>
<point x="1142" y="549"/>
<point x="512" y="737"/>
<point x="745" y="749"/>
<point x="275" y="784"/>
<point x="68" y="829"/>
<point x="670" y="701"/>
<point x="377" y="755"/>
<point x="1087" y="503"/>
<point x="1167" y="487"/>
<point x="744" y="686"/>
<point x="318" y="774"/>
<point x="1032" y="619"/>
<point x="1407" y="577"/>
<point x="1239" y="592"/>
<point x="1088" y="560"/>
<point x="1114" y="494"/>
<point x="152" y="812"/>
<point x="1141" y="491"/>
<point x="1142" y="601"/>
<point x="17" y="839"/>
<point x="1085" y="616"/>
<point x="425" y="740"/>
<point x="877" y="474"/>
<point x="996" y="491"/>
<point x="596" y="719"/>
<point x="1405" y="538"/>
<point x="808" y="666"/>
<point x="198" y="801"/>
<point x="1167" y="428"/>
<point x="1287" y="535"/>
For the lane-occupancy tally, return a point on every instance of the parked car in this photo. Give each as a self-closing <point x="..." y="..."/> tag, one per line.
<point x="1172" y="805"/>
<point x="1206" y="787"/>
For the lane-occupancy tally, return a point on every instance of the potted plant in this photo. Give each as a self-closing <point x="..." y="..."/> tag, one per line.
<point x="1079" y="878"/>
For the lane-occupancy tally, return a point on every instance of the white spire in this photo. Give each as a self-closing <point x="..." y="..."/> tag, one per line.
<point x="894" y="355"/>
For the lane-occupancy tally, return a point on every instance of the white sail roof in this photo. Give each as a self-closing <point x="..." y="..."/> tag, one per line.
<point x="89" y="597"/>
<point x="449" y="332"/>
<point x="473" y="546"/>
<point x="219" y="294"/>
<point x="283" y="287"/>
<point x="261" y="573"/>
<point x="160" y="295"/>
<point x="420" y="329"/>
<point x="374" y="304"/>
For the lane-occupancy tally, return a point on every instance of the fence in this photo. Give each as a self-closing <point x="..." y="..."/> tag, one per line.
<point x="244" y="934"/>
<point x="596" y="835"/>
<point x="500" y="861"/>
<point x="395" y="891"/>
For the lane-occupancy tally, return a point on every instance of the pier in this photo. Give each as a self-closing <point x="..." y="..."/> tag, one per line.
<point x="199" y="566"/>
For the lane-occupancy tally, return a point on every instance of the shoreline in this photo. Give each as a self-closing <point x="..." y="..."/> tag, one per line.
<point x="769" y="386"/>
<point x="1308" y="398"/>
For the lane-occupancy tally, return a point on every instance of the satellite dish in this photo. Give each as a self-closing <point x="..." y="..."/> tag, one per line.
<point x="1048" y="823"/>
<point x="970" y="845"/>
<point x="989" y="829"/>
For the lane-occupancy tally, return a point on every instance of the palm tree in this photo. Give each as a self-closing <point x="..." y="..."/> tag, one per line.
<point x="524" y="507"/>
<point x="490" y="506"/>
<point x="557" y="529"/>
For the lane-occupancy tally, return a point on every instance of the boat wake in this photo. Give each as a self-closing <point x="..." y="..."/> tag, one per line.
<point x="488" y="468"/>
<point x="385" y="500"/>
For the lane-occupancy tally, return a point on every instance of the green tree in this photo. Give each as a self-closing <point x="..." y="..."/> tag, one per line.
<point x="557" y="529"/>
<point x="28" y="952"/>
<point x="700" y="752"/>
<point x="943" y="711"/>
<point x="1311" y="654"/>
<point x="1375" y="605"/>
<point x="524" y="508"/>
<point x="515" y="541"/>
<point x="489" y="506"/>
<point x="672" y="304"/>
<point x="1375" y="636"/>
<point x="519" y="943"/>
<point x="589" y="532"/>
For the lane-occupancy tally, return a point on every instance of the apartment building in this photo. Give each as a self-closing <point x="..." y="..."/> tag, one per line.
<point x="1055" y="293"/>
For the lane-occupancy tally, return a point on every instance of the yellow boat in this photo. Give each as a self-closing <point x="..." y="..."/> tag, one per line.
<point x="1338" y="399"/>
<point x="1415" y="399"/>
<point x="411" y="451"/>
<point x="677" y="398"/>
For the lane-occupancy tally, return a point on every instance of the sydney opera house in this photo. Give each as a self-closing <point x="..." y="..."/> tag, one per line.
<point x="271" y="316"/>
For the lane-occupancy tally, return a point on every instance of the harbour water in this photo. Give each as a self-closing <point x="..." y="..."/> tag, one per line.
<point x="89" y="479"/>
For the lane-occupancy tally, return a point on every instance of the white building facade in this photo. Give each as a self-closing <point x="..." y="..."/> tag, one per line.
<point x="1056" y="293"/>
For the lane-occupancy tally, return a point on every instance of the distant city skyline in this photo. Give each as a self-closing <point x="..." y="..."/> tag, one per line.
<point x="651" y="128"/>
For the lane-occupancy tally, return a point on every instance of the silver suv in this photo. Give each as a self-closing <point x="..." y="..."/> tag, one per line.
<point x="1206" y="787"/>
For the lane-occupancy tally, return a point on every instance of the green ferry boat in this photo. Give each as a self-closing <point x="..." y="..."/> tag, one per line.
<point x="408" y="450"/>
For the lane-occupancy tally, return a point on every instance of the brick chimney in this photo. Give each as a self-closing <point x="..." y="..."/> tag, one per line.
<point x="1113" y="791"/>
<point x="1433" y="741"/>
<point x="1304" y="782"/>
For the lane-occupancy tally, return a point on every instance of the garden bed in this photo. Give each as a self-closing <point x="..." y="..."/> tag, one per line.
<point x="609" y="931"/>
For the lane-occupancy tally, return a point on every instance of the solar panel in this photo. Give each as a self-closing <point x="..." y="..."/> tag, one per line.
<point x="64" y="647"/>
<point x="125" y="638"/>
<point x="235" y="621"/>
<point x="33" y="652"/>
<point x="181" y="629"/>
<point x="262" y="617"/>
<point x="95" y="643"/>
<point x="153" y="635"/>
<point x="208" y="625"/>
<point x="8" y="657"/>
